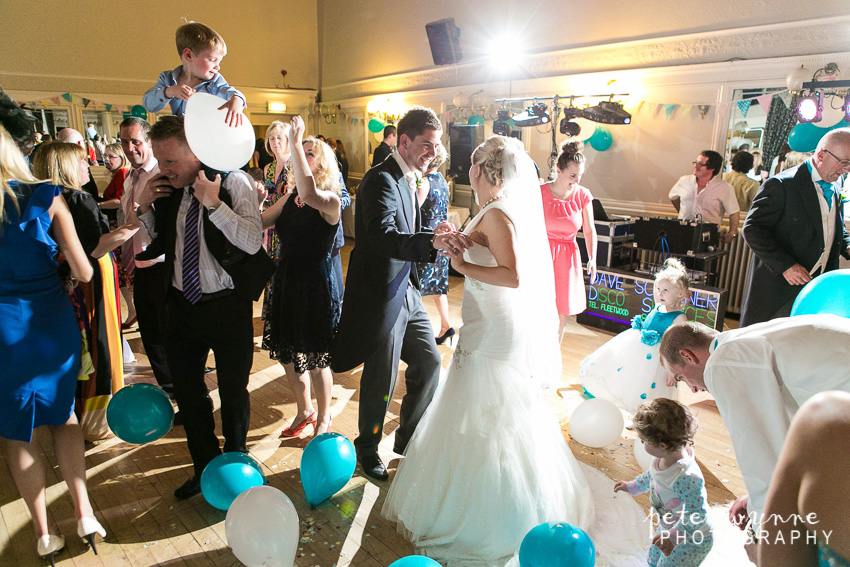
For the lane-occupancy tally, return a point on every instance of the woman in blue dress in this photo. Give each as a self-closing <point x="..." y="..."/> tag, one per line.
<point x="434" y="208"/>
<point x="40" y="342"/>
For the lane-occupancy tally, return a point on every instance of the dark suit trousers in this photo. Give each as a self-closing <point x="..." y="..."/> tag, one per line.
<point x="223" y="325"/>
<point x="149" y="291"/>
<point x="411" y="340"/>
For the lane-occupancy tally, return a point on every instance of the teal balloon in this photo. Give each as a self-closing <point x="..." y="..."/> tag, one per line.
<point x="601" y="139"/>
<point x="140" y="413"/>
<point x="557" y="544"/>
<point x="415" y="561"/>
<point x="828" y="293"/>
<point x="804" y="137"/>
<point x="139" y="111"/>
<point x="229" y="475"/>
<point x="475" y="119"/>
<point x="376" y="125"/>
<point x="327" y="464"/>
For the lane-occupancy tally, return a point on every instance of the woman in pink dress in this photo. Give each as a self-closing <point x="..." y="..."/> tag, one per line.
<point x="567" y="207"/>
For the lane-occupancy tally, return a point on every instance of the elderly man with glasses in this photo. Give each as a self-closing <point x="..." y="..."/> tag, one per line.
<point x="796" y="229"/>
<point x="705" y="196"/>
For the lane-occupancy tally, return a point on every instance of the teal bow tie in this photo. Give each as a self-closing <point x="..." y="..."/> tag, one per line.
<point x="828" y="192"/>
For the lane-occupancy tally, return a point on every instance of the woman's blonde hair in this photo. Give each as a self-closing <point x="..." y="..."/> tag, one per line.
<point x="59" y="162"/>
<point x="118" y="151"/>
<point x="490" y="156"/>
<point x="327" y="170"/>
<point x="275" y="126"/>
<point x="13" y="167"/>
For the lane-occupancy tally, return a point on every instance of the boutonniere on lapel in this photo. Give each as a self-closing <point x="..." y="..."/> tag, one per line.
<point x="414" y="179"/>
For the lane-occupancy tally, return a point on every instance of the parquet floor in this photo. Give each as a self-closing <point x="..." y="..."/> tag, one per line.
<point x="131" y="486"/>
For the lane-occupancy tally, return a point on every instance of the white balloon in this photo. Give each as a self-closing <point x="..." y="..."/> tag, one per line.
<point x="216" y="144"/>
<point x="596" y="423"/>
<point x="262" y="528"/>
<point x="643" y="458"/>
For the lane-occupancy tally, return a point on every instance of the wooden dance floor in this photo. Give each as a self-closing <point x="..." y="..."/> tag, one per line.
<point x="131" y="486"/>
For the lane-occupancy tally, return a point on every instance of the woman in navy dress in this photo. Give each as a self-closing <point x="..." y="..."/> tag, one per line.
<point x="305" y="304"/>
<point x="40" y="341"/>
<point x="434" y="208"/>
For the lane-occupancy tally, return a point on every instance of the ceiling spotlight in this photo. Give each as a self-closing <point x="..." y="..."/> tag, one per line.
<point x="608" y="112"/>
<point x="534" y="115"/>
<point x="809" y="108"/>
<point x="569" y="128"/>
<point x="502" y="124"/>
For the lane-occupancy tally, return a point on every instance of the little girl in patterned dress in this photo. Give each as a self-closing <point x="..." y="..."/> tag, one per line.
<point x="627" y="369"/>
<point x="675" y="484"/>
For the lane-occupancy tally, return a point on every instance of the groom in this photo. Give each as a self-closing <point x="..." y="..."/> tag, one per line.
<point x="383" y="319"/>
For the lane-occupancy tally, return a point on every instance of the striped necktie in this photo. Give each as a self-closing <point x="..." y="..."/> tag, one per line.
<point x="191" y="254"/>
<point x="828" y="191"/>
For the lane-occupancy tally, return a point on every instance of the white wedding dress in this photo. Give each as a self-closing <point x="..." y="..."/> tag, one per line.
<point x="489" y="461"/>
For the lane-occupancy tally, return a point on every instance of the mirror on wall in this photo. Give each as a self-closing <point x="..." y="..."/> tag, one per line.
<point x="749" y="128"/>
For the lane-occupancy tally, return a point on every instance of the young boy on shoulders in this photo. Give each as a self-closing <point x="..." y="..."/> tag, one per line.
<point x="201" y="50"/>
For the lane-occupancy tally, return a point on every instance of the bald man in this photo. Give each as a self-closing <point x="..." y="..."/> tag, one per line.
<point x="795" y="229"/>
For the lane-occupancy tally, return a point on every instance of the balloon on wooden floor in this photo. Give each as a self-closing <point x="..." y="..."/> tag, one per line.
<point x="229" y="475"/>
<point x="140" y="413"/>
<point x="262" y="528"/>
<point x="326" y="466"/>
<point x="557" y="544"/>
<point x="596" y="423"/>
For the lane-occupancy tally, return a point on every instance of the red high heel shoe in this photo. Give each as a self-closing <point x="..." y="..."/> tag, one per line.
<point x="296" y="431"/>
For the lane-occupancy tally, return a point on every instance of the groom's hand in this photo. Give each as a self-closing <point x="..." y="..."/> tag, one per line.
<point x="444" y="226"/>
<point x="455" y="242"/>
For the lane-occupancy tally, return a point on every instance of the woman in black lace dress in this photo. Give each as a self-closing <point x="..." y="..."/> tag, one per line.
<point x="305" y="308"/>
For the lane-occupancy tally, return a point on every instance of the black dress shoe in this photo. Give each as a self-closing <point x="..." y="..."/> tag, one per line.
<point x="189" y="488"/>
<point x="373" y="467"/>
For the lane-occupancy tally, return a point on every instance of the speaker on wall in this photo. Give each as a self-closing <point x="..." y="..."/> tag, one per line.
<point x="463" y="138"/>
<point x="443" y="37"/>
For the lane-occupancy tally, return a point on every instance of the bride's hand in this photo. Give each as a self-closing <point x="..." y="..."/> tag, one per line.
<point x="456" y="257"/>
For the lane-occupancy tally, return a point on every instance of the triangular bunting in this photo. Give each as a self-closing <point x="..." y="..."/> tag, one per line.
<point x="55" y="100"/>
<point x="668" y="109"/>
<point x="44" y="103"/>
<point x="68" y="97"/>
<point x="86" y="102"/>
<point x="765" y="102"/>
<point x="685" y="109"/>
<point x="744" y="106"/>
<point x="107" y="106"/>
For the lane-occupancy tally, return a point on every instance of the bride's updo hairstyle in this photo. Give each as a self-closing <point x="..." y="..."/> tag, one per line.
<point x="570" y="152"/>
<point x="491" y="157"/>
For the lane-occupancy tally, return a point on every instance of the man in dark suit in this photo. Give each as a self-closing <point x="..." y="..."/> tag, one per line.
<point x="795" y="229"/>
<point x="209" y="305"/>
<point x="385" y="148"/>
<point x="383" y="319"/>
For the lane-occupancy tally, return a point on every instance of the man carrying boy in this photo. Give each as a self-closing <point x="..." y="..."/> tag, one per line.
<point x="201" y="50"/>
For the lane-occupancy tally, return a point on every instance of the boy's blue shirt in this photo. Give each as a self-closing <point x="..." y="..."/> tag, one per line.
<point x="155" y="99"/>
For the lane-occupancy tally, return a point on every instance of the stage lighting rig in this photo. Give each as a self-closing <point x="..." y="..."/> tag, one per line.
<point x="810" y="108"/>
<point x="502" y="124"/>
<point x="534" y="115"/>
<point x="607" y="112"/>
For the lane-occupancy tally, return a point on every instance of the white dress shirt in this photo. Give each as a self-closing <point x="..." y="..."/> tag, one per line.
<point x="714" y="202"/>
<point x="827" y="216"/>
<point x="760" y="375"/>
<point x="135" y="181"/>
<point x="241" y="225"/>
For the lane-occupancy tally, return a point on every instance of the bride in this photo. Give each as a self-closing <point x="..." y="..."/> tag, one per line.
<point x="488" y="462"/>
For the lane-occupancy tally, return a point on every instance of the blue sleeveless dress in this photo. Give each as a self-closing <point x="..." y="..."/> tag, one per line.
<point x="40" y="342"/>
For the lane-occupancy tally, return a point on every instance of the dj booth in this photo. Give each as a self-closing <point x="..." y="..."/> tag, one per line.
<point x="630" y="251"/>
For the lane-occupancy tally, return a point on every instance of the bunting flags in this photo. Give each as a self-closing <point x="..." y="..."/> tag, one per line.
<point x="765" y="102"/>
<point x="668" y="109"/>
<point x="744" y="106"/>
